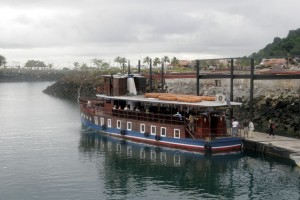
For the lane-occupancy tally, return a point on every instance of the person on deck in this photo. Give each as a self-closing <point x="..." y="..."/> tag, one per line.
<point x="178" y="115"/>
<point x="191" y="120"/>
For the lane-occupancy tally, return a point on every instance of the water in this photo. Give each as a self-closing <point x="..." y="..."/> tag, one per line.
<point x="44" y="154"/>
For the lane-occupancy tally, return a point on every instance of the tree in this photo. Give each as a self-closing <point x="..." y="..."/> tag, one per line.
<point x="84" y="66"/>
<point x="165" y="60"/>
<point x="100" y="64"/>
<point x="2" y="60"/>
<point x="174" y="62"/>
<point x="76" y="65"/>
<point x="50" y="66"/>
<point x="35" y="64"/>
<point x="147" y="60"/>
<point x="121" y="61"/>
<point x="156" y="62"/>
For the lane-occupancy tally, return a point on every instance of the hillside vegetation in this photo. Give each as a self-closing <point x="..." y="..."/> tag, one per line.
<point x="281" y="47"/>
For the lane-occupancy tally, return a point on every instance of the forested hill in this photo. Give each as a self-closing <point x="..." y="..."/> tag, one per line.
<point x="281" y="47"/>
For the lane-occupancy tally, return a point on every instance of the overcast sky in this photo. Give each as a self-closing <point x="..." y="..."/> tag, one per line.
<point x="64" y="31"/>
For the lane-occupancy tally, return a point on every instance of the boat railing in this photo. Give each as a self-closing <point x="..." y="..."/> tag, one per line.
<point x="151" y="117"/>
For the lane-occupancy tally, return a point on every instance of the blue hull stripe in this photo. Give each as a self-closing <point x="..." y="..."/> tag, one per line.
<point x="222" y="143"/>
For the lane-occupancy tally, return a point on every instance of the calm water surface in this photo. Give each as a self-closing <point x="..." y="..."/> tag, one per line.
<point x="45" y="154"/>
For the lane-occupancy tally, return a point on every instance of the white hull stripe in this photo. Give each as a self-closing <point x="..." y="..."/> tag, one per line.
<point x="177" y="144"/>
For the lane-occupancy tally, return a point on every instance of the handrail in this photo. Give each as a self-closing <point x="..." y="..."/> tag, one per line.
<point x="153" y="117"/>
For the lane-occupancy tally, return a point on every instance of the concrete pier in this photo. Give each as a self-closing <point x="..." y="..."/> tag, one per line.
<point x="278" y="146"/>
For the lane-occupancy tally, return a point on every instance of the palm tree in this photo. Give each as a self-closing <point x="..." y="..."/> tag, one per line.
<point x="147" y="60"/>
<point x="174" y="62"/>
<point x="156" y="61"/>
<point x="165" y="60"/>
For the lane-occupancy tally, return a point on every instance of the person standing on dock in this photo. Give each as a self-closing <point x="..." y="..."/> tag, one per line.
<point x="246" y="128"/>
<point x="271" y="128"/>
<point x="251" y="129"/>
<point x="235" y="127"/>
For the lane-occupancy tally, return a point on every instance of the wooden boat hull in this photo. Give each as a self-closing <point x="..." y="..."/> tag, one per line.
<point x="225" y="144"/>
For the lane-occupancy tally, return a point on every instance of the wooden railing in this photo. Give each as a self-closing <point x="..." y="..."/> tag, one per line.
<point x="142" y="116"/>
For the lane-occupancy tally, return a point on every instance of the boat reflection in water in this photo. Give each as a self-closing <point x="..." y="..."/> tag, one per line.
<point x="124" y="160"/>
<point x="124" y="149"/>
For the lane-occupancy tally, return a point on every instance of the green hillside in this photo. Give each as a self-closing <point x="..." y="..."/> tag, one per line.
<point x="281" y="47"/>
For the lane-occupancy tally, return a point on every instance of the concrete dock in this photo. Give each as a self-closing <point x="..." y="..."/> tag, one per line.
<point x="279" y="146"/>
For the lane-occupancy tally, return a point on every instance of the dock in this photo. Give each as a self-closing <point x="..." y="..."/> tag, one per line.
<point x="279" y="146"/>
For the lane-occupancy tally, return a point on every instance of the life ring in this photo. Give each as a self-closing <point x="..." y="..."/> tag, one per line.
<point x="220" y="98"/>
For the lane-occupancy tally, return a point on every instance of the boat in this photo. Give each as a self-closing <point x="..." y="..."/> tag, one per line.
<point x="123" y="109"/>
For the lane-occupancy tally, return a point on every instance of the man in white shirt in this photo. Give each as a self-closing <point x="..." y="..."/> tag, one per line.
<point x="235" y="127"/>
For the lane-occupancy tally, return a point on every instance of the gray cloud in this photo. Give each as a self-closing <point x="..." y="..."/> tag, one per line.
<point x="59" y="31"/>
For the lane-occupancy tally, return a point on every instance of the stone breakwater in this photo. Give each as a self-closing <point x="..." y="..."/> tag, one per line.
<point x="25" y="75"/>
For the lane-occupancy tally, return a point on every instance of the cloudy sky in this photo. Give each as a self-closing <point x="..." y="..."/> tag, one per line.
<point x="64" y="31"/>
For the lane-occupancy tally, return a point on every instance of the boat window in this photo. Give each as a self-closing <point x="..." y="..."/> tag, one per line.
<point x="108" y="122"/>
<point x="142" y="128"/>
<point x="119" y="124"/>
<point x="129" y="126"/>
<point x="129" y="151"/>
<point x="163" y="157"/>
<point x="119" y="149"/>
<point x="163" y="131"/>
<point x="176" y="160"/>
<point x="153" y="155"/>
<point x="102" y="121"/>
<point x="96" y="120"/>
<point x="153" y="130"/>
<point x="176" y="133"/>
<point x="142" y="153"/>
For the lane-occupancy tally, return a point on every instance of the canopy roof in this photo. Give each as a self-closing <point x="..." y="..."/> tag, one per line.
<point x="141" y="98"/>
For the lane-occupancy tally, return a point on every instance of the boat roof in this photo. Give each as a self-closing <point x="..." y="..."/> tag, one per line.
<point x="142" y="98"/>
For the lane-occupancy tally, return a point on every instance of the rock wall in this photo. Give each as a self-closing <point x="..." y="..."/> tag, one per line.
<point x="273" y="99"/>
